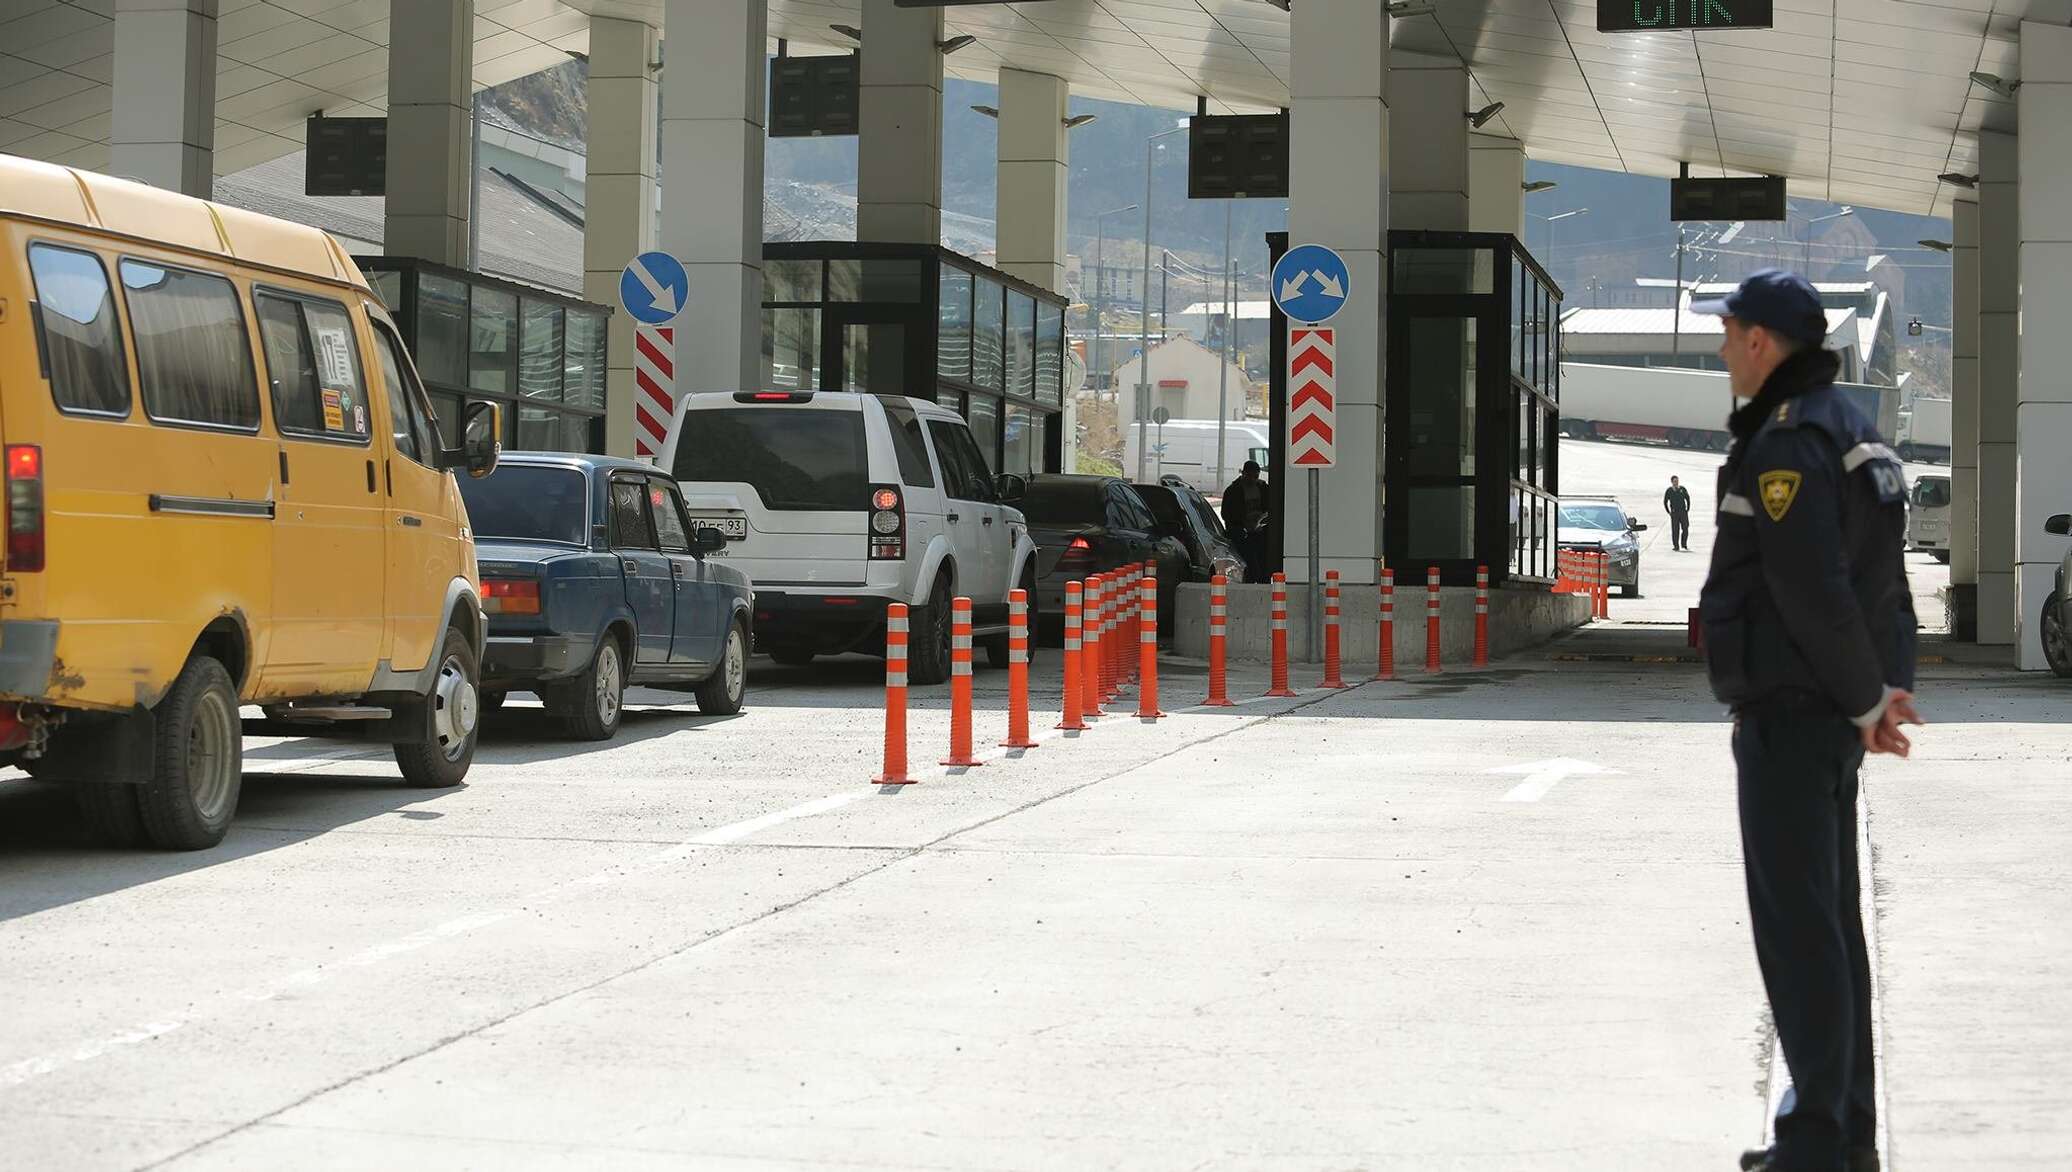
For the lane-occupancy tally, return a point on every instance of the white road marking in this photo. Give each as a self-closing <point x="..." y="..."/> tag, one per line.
<point x="21" y="1072"/>
<point x="1541" y="776"/>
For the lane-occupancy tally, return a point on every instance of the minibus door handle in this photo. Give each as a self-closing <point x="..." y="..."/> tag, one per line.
<point x="370" y="476"/>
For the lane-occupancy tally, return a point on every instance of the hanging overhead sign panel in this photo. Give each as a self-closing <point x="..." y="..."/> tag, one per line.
<point x="1756" y="198"/>
<point x="1648" y="16"/>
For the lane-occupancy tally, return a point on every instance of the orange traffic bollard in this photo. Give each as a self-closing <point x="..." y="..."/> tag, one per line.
<point x="1090" y="650"/>
<point x="1332" y="678"/>
<point x="1126" y="623"/>
<point x="895" y="697"/>
<point x="1219" y="696"/>
<point x="1432" y="619"/>
<point x="960" y="686"/>
<point x="1111" y="585"/>
<point x="1147" y="647"/>
<point x="1386" y="670"/>
<point x="1279" y="686"/>
<point x="1481" y="616"/>
<point x="1018" y="672"/>
<point x="1075" y="690"/>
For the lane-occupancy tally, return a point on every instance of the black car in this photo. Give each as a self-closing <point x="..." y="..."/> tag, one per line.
<point x="593" y="578"/>
<point x="1085" y="525"/>
<point x="1186" y="514"/>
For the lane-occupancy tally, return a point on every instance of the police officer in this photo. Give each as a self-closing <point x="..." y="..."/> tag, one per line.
<point x="1244" y="503"/>
<point x="1809" y="633"/>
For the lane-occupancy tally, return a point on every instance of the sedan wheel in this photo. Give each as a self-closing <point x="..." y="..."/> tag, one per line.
<point x="723" y="694"/>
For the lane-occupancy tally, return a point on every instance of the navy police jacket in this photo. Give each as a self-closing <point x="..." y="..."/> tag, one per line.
<point x="1807" y="592"/>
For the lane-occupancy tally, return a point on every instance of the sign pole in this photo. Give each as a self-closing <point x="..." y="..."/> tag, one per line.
<point x="1316" y="572"/>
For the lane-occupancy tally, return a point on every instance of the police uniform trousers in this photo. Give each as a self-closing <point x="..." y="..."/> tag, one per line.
<point x="1798" y="761"/>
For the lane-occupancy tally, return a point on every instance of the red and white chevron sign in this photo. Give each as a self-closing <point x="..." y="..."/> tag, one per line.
<point x="654" y="374"/>
<point x="1312" y="397"/>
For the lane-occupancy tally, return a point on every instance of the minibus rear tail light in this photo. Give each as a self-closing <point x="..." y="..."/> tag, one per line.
<point x="24" y="508"/>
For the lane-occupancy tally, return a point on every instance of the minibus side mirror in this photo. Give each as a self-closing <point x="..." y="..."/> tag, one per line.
<point x="481" y="439"/>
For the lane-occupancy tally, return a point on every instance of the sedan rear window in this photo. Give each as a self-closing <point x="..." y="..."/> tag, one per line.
<point x="1064" y="502"/>
<point x="797" y="460"/>
<point x="517" y="503"/>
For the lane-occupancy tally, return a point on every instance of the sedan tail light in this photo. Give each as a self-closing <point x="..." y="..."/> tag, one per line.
<point x="1078" y="550"/>
<point x="510" y="596"/>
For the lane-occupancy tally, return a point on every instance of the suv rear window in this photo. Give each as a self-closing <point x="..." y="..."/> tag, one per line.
<point x="797" y="460"/>
<point x="518" y="503"/>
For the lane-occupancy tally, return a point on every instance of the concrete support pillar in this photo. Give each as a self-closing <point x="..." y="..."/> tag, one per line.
<point x="1496" y="185"/>
<point x="713" y="120"/>
<point x="431" y="94"/>
<point x="1964" y="396"/>
<point x="2043" y="410"/>
<point x="620" y="220"/>
<point x="1034" y="163"/>
<point x="163" y="131"/>
<point x="1999" y="366"/>
<point x="899" y="155"/>
<point x="1339" y="196"/>
<point x="1428" y="142"/>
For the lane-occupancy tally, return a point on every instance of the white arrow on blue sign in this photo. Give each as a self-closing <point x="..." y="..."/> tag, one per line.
<point x="653" y="288"/>
<point x="1311" y="283"/>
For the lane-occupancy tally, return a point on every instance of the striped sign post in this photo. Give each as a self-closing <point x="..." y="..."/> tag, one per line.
<point x="654" y="373"/>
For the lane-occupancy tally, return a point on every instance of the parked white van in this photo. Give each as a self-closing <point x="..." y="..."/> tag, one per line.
<point x="837" y="504"/>
<point x="1928" y="516"/>
<point x="1186" y="448"/>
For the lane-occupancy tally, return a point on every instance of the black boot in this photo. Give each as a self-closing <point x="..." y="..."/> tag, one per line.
<point x="1863" y="1159"/>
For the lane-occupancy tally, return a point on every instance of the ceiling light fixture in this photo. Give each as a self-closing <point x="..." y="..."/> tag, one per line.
<point x="955" y="43"/>
<point x="1280" y="4"/>
<point x="1937" y="245"/>
<point x="1403" y="8"/>
<point x="850" y="31"/>
<point x="1959" y="180"/>
<point x="1480" y="118"/>
<point x="988" y="111"/>
<point x="1538" y="185"/>
<point x="1996" y="83"/>
<point x="1078" y="120"/>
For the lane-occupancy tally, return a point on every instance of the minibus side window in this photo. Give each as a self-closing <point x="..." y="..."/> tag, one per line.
<point x="82" y="342"/>
<point x="313" y="366"/>
<point x="415" y="435"/>
<point x="194" y="363"/>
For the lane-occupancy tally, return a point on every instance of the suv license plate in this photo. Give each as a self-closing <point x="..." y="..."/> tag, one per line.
<point x="734" y="528"/>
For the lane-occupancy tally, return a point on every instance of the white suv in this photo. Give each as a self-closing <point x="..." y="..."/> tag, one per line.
<point x="837" y="504"/>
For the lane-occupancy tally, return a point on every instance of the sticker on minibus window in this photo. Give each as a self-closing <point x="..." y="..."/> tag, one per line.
<point x="334" y="411"/>
<point x="334" y="353"/>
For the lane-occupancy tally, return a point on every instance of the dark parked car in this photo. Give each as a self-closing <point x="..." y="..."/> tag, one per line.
<point x="1186" y="514"/>
<point x="2057" y="609"/>
<point x="1086" y="525"/>
<point x="593" y="579"/>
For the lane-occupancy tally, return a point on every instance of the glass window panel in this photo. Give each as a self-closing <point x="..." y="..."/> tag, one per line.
<point x="984" y="416"/>
<point x="388" y="286"/>
<point x="1050" y="353"/>
<point x="313" y="368"/>
<point x="988" y="324"/>
<point x="540" y="358"/>
<point x="82" y="338"/>
<point x="791" y="349"/>
<point x="1441" y="396"/>
<point x="1442" y="522"/>
<point x="493" y="341"/>
<point x="791" y="280"/>
<point x="410" y="429"/>
<point x="874" y="280"/>
<point x="1520" y="558"/>
<point x="907" y="444"/>
<point x="447" y="409"/>
<point x="194" y="363"/>
<point x="1021" y="344"/>
<point x="1517" y="311"/>
<point x="668" y="513"/>
<point x="1445" y="270"/>
<point x="1022" y="439"/>
<point x="629" y="511"/>
<point x="874" y="358"/>
<point x="953" y="325"/>
<point x="442" y="330"/>
<point x="583" y="376"/>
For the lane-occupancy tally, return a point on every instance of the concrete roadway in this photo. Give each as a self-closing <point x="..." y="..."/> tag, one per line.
<point x="1297" y="934"/>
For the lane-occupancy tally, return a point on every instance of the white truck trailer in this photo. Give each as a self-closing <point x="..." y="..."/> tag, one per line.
<point x="1675" y="407"/>
<point x="1925" y="432"/>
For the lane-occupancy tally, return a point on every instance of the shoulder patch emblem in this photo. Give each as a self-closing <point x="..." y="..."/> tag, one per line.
<point x="1783" y="412"/>
<point x="1778" y="490"/>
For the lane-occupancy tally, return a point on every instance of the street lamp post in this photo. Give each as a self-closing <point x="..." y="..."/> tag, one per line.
<point x="1101" y="282"/>
<point x="1806" y="253"/>
<point x="1144" y="318"/>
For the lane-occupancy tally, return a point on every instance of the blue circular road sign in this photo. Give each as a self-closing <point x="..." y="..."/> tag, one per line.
<point x="1311" y="283"/>
<point x="653" y="288"/>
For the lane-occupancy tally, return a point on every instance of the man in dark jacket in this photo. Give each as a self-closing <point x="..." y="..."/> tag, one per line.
<point x="1809" y="636"/>
<point x="1678" y="501"/>
<point x="1244" y="503"/>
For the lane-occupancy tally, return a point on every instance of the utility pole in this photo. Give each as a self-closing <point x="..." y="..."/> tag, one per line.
<point x="1229" y="328"/>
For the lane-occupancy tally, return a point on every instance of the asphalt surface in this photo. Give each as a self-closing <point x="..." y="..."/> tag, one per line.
<point x="1482" y="920"/>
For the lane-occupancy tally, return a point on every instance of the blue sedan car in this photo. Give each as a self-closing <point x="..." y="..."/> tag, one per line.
<point x="593" y="579"/>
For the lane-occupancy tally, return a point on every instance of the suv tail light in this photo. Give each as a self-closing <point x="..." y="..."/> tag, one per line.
<point x="510" y="596"/>
<point x="888" y="525"/>
<point x="24" y="508"/>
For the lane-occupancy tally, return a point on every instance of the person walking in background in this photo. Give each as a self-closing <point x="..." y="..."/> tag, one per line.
<point x="1678" y="501"/>
<point x="1244" y="507"/>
